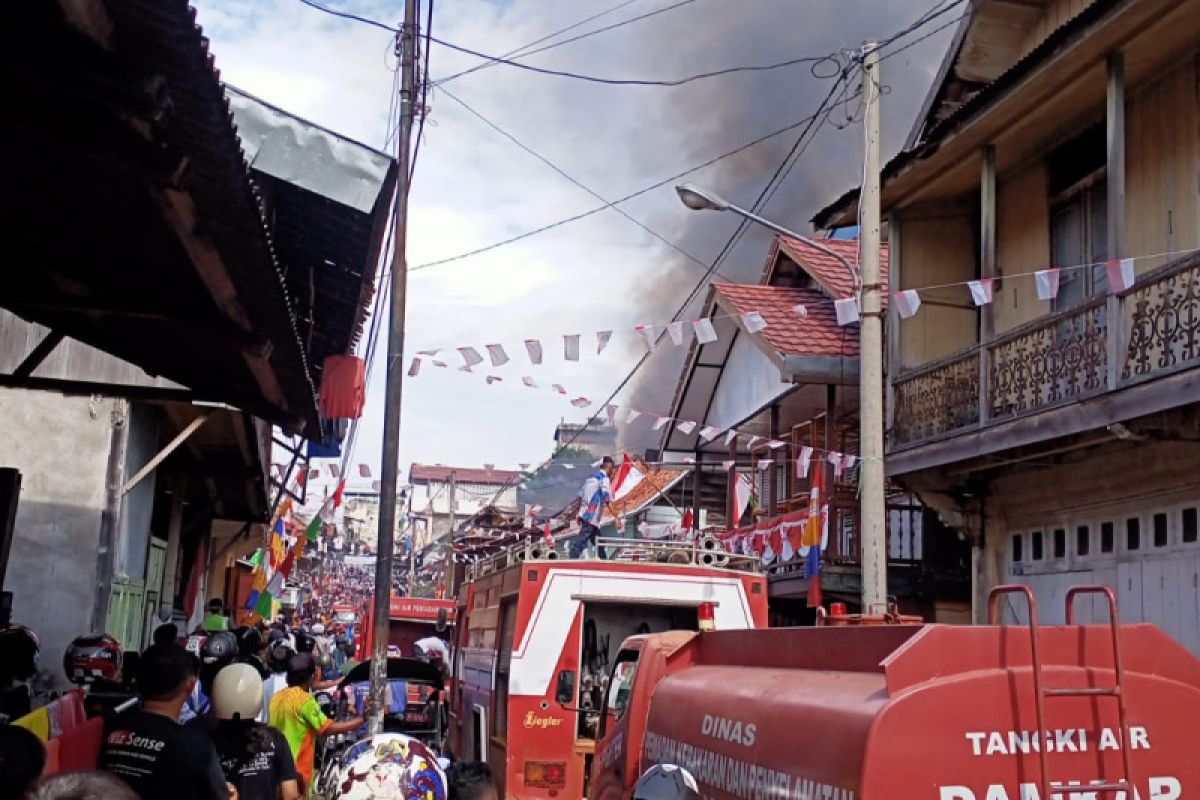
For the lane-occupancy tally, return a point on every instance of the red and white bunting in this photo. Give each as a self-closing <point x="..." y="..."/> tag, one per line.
<point x="675" y="331"/>
<point x="441" y="364"/>
<point x="529" y="382"/>
<point x="753" y="441"/>
<point x="982" y="291"/>
<point x="754" y="322"/>
<point x="1047" y="283"/>
<point x="647" y="334"/>
<point x="632" y="415"/>
<point x="775" y="444"/>
<point x="534" y="348"/>
<point x="558" y="387"/>
<point x="846" y="310"/>
<point x="470" y="356"/>
<point x="660" y="422"/>
<point x="497" y="355"/>
<point x="708" y="433"/>
<point x="581" y="402"/>
<point x="364" y="471"/>
<point x="836" y="460"/>
<point x="415" y="367"/>
<point x="848" y="461"/>
<point x="800" y="310"/>
<point x="685" y="426"/>
<point x="730" y="436"/>
<point x="493" y="379"/>
<point x="907" y="302"/>
<point x="602" y="340"/>
<point x="1120" y="274"/>
<point x="705" y="332"/>
<point x="571" y="346"/>
<point x="763" y="463"/>
<point x="611" y="411"/>
<point x="803" y="460"/>
<point x="728" y="465"/>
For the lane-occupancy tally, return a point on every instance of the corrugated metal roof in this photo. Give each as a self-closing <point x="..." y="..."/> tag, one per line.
<point x="302" y="153"/>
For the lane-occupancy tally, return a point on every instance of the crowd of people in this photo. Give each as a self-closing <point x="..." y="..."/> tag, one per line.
<point x="214" y="715"/>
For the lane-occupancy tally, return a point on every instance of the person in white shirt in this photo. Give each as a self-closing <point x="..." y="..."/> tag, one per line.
<point x="594" y="499"/>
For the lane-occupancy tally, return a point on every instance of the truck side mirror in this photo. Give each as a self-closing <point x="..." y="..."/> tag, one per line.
<point x="443" y="620"/>
<point x="564" y="691"/>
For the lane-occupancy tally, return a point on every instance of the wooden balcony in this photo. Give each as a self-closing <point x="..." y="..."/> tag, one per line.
<point x="1056" y="360"/>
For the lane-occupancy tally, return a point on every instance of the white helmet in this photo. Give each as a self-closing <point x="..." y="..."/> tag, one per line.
<point x="237" y="692"/>
<point x="389" y="765"/>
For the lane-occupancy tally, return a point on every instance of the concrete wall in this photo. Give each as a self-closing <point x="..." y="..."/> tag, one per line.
<point x="61" y="446"/>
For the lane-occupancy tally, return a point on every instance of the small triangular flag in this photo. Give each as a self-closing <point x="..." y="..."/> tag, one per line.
<point x="1047" y="283"/>
<point x="497" y="355"/>
<point x="846" y="310"/>
<point x="981" y="291"/>
<point x="571" y="346"/>
<point x="534" y="348"/>
<point x="907" y="302"/>
<point x="754" y="322"/>
<point x="602" y="340"/>
<point x="705" y="332"/>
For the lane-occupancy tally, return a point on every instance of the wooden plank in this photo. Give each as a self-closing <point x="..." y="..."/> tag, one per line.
<point x="38" y="354"/>
<point x="1115" y="136"/>
<point x="987" y="268"/>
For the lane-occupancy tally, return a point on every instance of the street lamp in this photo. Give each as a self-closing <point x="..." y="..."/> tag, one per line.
<point x="873" y="507"/>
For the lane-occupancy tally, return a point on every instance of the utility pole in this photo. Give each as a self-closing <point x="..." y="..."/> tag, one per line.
<point x="873" y="509"/>
<point x="385" y="552"/>
<point x="453" y="504"/>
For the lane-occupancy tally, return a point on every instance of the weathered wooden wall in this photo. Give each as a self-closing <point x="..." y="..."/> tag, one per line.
<point x="1056" y="14"/>
<point x="936" y="249"/>
<point x="1022" y="244"/>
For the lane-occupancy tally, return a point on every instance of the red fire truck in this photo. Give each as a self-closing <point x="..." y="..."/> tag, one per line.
<point x="908" y="712"/>
<point x="410" y="619"/>
<point x="537" y="639"/>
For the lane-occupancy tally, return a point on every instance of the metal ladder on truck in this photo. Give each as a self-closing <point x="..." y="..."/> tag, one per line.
<point x="1116" y="691"/>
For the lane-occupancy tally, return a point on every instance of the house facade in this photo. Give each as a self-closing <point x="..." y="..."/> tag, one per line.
<point x="796" y="382"/>
<point x="1056" y="430"/>
<point x="444" y="497"/>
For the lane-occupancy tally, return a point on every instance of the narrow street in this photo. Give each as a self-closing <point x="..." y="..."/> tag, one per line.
<point x="645" y="400"/>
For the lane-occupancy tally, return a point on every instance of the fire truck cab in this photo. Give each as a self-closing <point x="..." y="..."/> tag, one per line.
<point x="539" y="637"/>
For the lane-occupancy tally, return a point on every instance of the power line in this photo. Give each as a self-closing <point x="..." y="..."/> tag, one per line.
<point x="576" y="75"/>
<point x="575" y="182"/>
<point x="547" y="37"/>
<point x="645" y="190"/>
<point x="573" y="39"/>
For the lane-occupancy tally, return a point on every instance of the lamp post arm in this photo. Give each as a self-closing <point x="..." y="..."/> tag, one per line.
<point x="766" y="223"/>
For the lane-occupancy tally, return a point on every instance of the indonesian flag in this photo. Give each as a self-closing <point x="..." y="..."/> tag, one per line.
<point x="627" y="477"/>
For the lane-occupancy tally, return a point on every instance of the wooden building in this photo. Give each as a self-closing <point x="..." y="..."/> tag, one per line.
<point x="1059" y="435"/>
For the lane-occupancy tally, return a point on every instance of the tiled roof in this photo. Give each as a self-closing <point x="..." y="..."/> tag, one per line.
<point x="828" y="271"/>
<point x="816" y="334"/>
<point x="440" y="472"/>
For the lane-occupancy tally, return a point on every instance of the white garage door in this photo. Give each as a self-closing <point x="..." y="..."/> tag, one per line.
<point x="1150" y="557"/>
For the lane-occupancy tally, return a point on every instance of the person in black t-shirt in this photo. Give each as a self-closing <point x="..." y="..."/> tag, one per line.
<point x="256" y="759"/>
<point x="150" y="750"/>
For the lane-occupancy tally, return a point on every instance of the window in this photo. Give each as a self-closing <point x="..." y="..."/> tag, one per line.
<point x="1107" y="530"/>
<point x="1189" y="525"/>
<point x="620" y="687"/>
<point x="1060" y="543"/>
<point x="1083" y="540"/>
<point x="1036" y="545"/>
<point x="1161" y="535"/>
<point x="1079" y="216"/>
<point x="1133" y="534"/>
<point x="1018" y="554"/>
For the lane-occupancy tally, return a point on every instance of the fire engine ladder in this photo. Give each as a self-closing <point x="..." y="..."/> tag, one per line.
<point x="1116" y="691"/>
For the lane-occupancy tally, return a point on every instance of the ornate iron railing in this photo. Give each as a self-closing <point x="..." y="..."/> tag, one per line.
<point x="1057" y="359"/>
<point x="938" y="398"/>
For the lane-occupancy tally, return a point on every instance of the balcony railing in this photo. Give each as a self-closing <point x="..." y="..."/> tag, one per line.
<point x="1057" y="359"/>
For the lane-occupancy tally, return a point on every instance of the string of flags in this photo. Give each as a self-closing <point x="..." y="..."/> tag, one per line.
<point x="1119" y="272"/>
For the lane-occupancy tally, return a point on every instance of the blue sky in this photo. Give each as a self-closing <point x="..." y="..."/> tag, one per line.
<point x="474" y="187"/>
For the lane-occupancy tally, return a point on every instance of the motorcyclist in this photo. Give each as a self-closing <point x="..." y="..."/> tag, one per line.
<point x="249" y="646"/>
<point x="390" y="765"/>
<point x="278" y="656"/>
<point x="254" y="757"/>
<point x="20" y="648"/>
<point x="218" y="651"/>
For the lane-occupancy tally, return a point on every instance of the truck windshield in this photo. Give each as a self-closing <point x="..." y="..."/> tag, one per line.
<point x="621" y="684"/>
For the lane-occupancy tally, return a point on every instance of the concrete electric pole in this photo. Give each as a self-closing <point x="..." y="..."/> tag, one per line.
<point x="873" y="509"/>
<point x="385" y="551"/>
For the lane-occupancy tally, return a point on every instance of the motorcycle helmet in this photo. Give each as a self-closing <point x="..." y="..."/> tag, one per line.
<point x="92" y="656"/>
<point x="389" y="765"/>
<point x="19" y="651"/>
<point x="219" y="648"/>
<point x="278" y="656"/>
<point x="304" y="642"/>
<point x="237" y="692"/>
<point x="666" y="782"/>
<point x="249" y="641"/>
